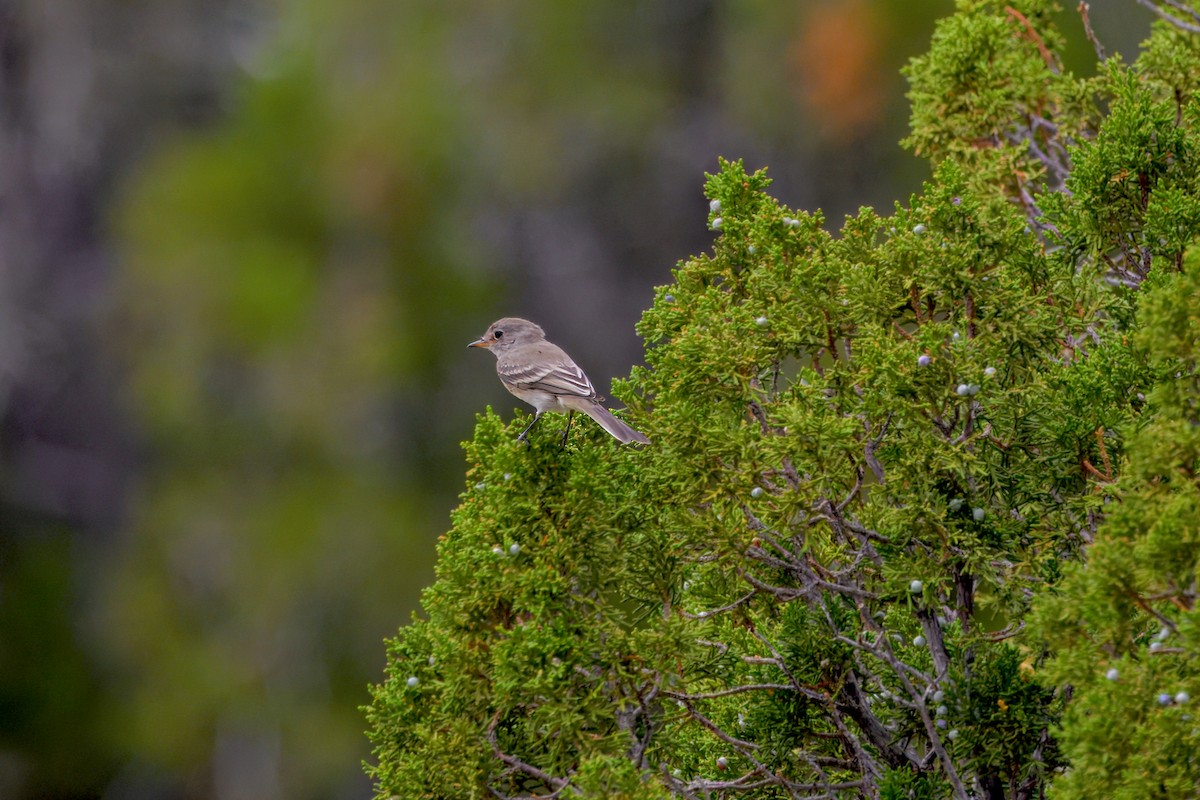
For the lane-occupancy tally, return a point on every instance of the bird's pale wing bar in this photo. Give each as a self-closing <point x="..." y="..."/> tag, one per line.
<point x="556" y="378"/>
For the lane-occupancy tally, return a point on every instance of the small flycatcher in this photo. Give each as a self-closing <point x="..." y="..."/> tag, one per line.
<point x="545" y="377"/>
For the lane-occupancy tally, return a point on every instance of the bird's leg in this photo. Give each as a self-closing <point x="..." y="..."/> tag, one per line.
<point x="524" y="434"/>
<point x="563" y="443"/>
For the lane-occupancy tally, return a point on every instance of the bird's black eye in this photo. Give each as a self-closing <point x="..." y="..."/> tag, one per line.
<point x="499" y="334"/>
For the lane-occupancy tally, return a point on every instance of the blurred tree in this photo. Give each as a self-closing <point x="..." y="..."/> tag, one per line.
<point x="85" y="88"/>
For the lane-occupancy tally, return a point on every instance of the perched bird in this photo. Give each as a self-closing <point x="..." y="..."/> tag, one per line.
<point x="545" y="377"/>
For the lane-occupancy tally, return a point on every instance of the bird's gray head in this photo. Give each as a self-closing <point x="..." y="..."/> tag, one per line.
<point x="504" y="333"/>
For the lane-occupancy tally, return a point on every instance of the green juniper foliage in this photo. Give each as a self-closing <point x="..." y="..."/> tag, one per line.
<point x="1124" y="631"/>
<point x="877" y="456"/>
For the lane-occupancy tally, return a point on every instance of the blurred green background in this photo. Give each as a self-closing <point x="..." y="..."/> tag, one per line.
<point x="242" y="247"/>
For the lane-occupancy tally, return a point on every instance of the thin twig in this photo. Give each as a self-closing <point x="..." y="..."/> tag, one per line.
<point x="558" y="784"/>
<point x="1171" y="18"/>
<point x="747" y="687"/>
<point x="1084" y="12"/>
<point x="1033" y="36"/>
<point x="706" y="614"/>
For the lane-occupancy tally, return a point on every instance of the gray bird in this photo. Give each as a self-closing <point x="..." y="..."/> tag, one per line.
<point x="544" y="376"/>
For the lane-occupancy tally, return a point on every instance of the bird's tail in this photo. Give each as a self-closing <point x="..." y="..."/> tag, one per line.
<point x="620" y="431"/>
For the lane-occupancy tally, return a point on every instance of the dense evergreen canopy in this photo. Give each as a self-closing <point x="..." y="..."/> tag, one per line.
<point x="921" y="515"/>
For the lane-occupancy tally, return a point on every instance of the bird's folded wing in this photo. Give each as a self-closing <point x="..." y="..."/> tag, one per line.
<point x="559" y="377"/>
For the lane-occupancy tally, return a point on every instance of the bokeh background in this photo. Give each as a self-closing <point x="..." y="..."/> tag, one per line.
<point x="242" y="246"/>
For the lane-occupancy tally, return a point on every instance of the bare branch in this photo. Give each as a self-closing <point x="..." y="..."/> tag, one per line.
<point x="514" y="763"/>
<point x="1084" y="13"/>
<point x="744" y="747"/>
<point x="1171" y="18"/>
<point x="706" y="614"/>
<point x="872" y="446"/>
<point x="748" y="687"/>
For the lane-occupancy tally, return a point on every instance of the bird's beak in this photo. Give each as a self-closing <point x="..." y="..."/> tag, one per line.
<point x="482" y="341"/>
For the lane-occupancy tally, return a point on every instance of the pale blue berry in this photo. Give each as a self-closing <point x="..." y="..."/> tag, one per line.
<point x="953" y="734"/>
<point x="513" y="549"/>
<point x="978" y="514"/>
<point x="956" y="504"/>
<point x="941" y="723"/>
<point x="915" y="587"/>
<point x="1112" y="674"/>
<point x="670" y="298"/>
<point x="717" y="223"/>
<point x="919" y="641"/>
<point x="990" y="371"/>
<point x="413" y="681"/>
<point x="918" y="229"/>
<point x="757" y="491"/>
<point x="714" y="206"/>
<point x="762" y="322"/>
<point x="1165" y="699"/>
<point x="924" y="361"/>
<point x="963" y="390"/>
<point x="1182" y="698"/>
